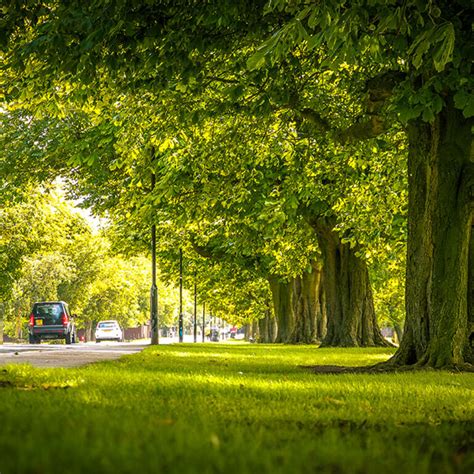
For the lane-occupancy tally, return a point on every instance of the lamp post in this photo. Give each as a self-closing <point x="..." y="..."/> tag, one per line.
<point x="155" y="338"/>
<point x="195" y="310"/>
<point x="2" y="316"/>
<point x="203" y="321"/>
<point x="180" y="321"/>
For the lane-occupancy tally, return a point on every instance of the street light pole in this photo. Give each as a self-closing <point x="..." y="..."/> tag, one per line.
<point x="195" y="310"/>
<point x="203" y="321"/>
<point x="155" y="338"/>
<point x="180" y="321"/>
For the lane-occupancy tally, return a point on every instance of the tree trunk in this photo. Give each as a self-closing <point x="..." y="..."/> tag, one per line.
<point x="88" y="331"/>
<point x="398" y="333"/>
<point x="298" y="308"/>
<point x="262" y="329"/>
<point x="19" y="324"/>
<point x="282" y="295"/>
<point x="266" y="326"/>
<point x="470" y="299"/>
<point x="309" y="325"/>
<point x="273" y="329"/>
<point x="255" y="334"/>
<point x="2" y="316"/>
<point x="321" y="320"/>
<point x="350" y="310"/>
<point x="247" y="332"/>
<point x="441" y="190"/>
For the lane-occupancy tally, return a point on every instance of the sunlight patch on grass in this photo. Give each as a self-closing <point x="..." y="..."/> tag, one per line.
<point x="191" y="408"/>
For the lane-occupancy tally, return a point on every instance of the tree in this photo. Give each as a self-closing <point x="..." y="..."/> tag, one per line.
<point x="425" y="56"/>
<point x="117" y="291"/>
<point x="186" y="73"/>
<point x="50" y="253"/>
<point x="21" y="225"/>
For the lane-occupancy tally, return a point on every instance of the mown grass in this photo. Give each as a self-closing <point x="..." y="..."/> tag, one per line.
<point x="235" y="408"/>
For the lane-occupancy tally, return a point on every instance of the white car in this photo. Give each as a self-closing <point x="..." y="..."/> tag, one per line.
<point x="108" y="331"/>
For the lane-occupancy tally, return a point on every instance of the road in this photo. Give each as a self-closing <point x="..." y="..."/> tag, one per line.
<point x="74" y="355"/>
<point x="61" y="355"/>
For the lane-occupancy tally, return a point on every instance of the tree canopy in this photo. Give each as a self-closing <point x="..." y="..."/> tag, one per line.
<point x="277" y="134"/>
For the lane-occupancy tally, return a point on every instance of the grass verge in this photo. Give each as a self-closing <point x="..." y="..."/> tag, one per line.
<point x="212" y="408"/>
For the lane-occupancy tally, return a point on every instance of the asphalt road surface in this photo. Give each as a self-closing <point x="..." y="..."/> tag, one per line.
<point x="61" y="355"/>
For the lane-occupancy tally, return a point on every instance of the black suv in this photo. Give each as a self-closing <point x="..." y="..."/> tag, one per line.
<point x="51" y="320"/>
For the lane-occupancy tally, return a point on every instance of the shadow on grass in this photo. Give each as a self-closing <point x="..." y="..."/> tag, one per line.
<point x="381" y="368"/>
<point x="219" y="409"/>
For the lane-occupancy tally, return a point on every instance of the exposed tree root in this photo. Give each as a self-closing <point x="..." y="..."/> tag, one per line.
<point x="379" y="343"/>
<point x="384" y="367"/>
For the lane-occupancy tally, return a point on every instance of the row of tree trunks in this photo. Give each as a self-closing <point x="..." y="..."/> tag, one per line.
<point x="252" y="331"/>
<point x="267" y="327"/>
<point x="351" y="319"/>
<point x="440" y="214"/>
<point x="299" y="307"/>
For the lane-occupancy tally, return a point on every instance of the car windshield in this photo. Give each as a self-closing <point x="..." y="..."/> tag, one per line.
<point x="107" y="325"/>
<point x="50" y="312"/>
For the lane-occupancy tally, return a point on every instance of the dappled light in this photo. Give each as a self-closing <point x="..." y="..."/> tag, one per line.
<point x="275" y="197"/>
<point x="228" y="398"/>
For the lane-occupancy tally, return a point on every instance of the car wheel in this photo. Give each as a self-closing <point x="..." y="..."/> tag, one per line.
<point x="33" y="339"/>
<point x="68" y="338"/>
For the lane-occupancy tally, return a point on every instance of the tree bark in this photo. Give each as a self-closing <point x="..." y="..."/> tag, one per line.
<point x="398" y="333"/>
<point x="2" y="316"/>
<point x="309" y="323"/>
<point x="255" y="335"/>
<point x="351" y="319"/>
<point x="441" y="191"/>
<point x="298" y="308"/>
<point x="19" y="324"/>
<point x="322" y="320"/>
<point x="282" y="295"/>
<point x="88" y="332"/>
<point x="470" y="299"/>
<point x="266" y="326"/>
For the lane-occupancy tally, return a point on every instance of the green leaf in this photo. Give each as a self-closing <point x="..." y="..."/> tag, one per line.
<point x="256" y="61"/>
<point x="428" y="115"/>
<point x="465" y="101"/>
<point x="437" y="104"/>
<point x="314" y="19"/>
<point x="314" y="41"/>
<point x="419" y="47"/>
<point x="444" y="52"/>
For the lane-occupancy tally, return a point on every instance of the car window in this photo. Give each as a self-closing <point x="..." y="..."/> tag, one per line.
<point x="107" y="325"/>
<point x="49" y="312"/>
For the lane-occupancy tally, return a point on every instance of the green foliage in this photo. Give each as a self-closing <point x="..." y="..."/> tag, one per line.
<point x="119" y="291"/>
<point x="22" y="225"/>
<point x="214" y="408"/>
<point x="50" y="253"/>
<point x="235" y="159"/>
<point x="388" y="278"/>
<point x="427" y="41"/>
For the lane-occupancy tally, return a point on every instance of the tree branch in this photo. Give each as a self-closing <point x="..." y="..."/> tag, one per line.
<point x="379" y="89"/>
<point x="206" y="251"/>
<point x="315" y="119"/>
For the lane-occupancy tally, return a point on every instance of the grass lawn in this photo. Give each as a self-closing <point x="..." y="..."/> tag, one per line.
<point x="212" y="408"/>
